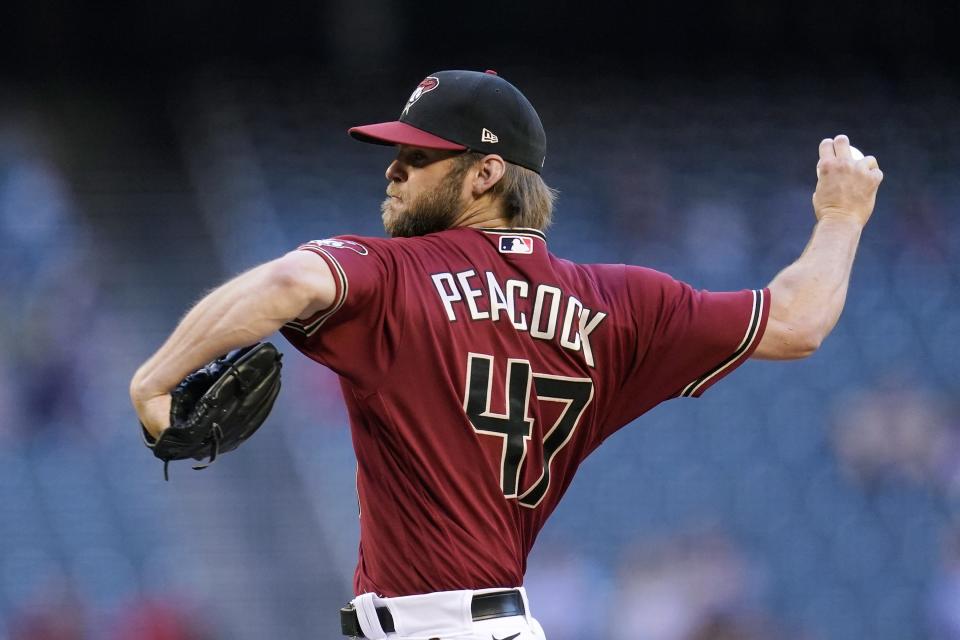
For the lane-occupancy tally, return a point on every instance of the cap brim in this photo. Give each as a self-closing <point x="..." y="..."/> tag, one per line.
<point x="390" y="133"/>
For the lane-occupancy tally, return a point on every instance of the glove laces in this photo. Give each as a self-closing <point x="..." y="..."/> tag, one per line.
<point x="216" y="434"/>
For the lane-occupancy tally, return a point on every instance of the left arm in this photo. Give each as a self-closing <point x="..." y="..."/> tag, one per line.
<point x="239" y="313"/>
<point x="808" y="296"/>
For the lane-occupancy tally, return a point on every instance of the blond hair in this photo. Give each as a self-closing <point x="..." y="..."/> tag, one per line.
<point x="526" y="198"/>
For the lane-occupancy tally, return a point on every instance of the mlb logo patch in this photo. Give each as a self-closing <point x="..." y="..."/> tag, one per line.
<point x="516" y="244"/>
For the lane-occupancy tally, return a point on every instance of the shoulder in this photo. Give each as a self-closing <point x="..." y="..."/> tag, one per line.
<point x="359" y="245"/>
<point x="360" y="252"/>
<point x="630" y="286"/>
<point x="365" y="244"/>
<point x="608" y="278"/>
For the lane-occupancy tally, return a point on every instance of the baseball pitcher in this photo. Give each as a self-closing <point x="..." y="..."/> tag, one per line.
<point x="479" y="370"/>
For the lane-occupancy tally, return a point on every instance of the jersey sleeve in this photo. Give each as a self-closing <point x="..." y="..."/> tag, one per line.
<point x="686" y="339"/>
<point x="357" y="336"/>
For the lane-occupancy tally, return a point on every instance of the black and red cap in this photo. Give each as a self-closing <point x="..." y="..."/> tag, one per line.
<point x="458" y="110"/>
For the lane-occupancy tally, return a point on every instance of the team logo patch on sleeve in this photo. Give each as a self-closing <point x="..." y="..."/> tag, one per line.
<point x="333" y="243"/>
<point x="516" y="244"/>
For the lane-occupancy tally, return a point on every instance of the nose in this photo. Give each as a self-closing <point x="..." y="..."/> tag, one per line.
<point x="395" y="172"/>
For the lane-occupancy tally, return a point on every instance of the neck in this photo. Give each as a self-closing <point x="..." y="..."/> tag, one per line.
<point x="482" y="213"/>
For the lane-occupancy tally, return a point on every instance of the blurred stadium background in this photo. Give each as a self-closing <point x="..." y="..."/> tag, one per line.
<point x="148" y="152"/>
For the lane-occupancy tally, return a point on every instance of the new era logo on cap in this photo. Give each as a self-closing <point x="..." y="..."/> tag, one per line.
<point x="489" y="136"/>
<point x="516" y="244"/>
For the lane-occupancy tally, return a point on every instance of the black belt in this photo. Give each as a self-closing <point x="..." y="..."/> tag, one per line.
<point x="485" y="606"/>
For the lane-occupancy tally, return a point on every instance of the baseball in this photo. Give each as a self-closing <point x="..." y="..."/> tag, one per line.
<point x="855" y="153"/>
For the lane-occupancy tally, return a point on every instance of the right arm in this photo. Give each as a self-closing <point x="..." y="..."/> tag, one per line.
<point x="807" y="297"/>
<point x="246" y="309"/>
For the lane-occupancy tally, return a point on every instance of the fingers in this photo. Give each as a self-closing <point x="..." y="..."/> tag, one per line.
<point x="826" y="149"/>
<point x="841" y="146"/>
<point x="872" y="167"/>
<point x="827" y="153"/>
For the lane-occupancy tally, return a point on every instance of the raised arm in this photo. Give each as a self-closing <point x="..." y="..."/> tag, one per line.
<point x="244" y="310"/>
<point x="808" y="296"/>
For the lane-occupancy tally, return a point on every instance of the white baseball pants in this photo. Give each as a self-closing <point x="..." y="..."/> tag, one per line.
<point x="444" y="615"/>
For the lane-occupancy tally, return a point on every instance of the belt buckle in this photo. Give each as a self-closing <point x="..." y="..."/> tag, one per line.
<point x="498" y="604"/>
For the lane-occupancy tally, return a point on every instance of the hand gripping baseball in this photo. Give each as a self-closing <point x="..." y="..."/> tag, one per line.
<point x="846" y="188"/>
<point x="219" y="406"/>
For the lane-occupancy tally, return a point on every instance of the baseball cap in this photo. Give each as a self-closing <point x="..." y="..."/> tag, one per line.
<point x="458" y="110"/>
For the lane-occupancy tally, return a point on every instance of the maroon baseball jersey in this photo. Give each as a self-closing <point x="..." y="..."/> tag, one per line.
<point x="479" y="371"/>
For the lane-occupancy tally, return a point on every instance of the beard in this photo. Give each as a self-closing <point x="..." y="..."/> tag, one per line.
<point x="428" y="212"/>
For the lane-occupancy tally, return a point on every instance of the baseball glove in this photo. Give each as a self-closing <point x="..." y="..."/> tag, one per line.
<point x="219" y="406"/>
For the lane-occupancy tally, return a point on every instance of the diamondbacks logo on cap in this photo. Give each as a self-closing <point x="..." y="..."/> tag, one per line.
<point x="341" y="244"/>
<point x="488" y="136"/>
<point x="429" y="84"/>
<point x="516" y="244"/>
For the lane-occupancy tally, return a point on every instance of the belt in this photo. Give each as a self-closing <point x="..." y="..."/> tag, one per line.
<point x="485" y="606"/>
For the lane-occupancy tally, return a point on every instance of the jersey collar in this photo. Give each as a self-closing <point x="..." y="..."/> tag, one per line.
<point x="514" y="231"/>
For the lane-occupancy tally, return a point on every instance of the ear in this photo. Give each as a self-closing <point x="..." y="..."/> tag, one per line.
<point x="487" y="173"/>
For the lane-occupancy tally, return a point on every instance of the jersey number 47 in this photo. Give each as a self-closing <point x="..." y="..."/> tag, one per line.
<point x="516" y="426"/>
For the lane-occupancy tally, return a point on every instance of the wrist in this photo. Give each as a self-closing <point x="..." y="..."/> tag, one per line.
<point x="841" y="221"/>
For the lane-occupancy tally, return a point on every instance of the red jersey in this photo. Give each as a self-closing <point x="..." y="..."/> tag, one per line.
<point x="479" y="371"/>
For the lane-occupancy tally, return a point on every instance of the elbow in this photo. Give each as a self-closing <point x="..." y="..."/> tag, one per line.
<point x="806" y="340"/>
<point x="808" y="346"/>
<point x="138" y="387"/>
<point x="800" y="324"/>
<point x="789" y="340"/>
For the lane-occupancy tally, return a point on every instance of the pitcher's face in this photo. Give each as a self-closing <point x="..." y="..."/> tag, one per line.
<point x="426" y="192"/>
